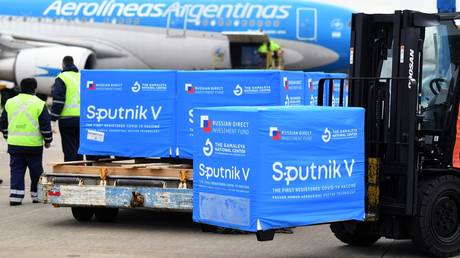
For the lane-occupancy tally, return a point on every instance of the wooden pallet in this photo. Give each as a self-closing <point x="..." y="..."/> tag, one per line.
<point x="113" y="167"/>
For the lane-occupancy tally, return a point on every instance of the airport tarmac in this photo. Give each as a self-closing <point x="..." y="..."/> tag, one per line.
<point x="37" y="230"/>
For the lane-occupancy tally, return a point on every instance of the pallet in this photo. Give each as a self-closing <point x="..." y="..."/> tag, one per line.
<point x="114" y="167"/>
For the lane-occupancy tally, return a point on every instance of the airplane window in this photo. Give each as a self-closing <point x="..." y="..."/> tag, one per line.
<point x="236" y="23"/>
<point x="205" y="22"/>
<point x="213" y="23"/>
<point x="260" y="24"/>
<point x="252" y="23"/>
<point x="114" y="21"/>
<point x="268" y="23"/>
<point x="276" y="24"/>
<point x="137" y="21"/>
<point x="220" y="23"/>
<point x="228" y="23"/>
<point x="244" y="23"/>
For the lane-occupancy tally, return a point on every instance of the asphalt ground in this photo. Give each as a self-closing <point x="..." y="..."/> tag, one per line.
<point x="38" y="230"/>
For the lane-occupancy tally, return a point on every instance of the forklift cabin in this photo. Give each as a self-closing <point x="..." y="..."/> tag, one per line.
<point x="404" y="70"/>
<point x="244" y="52"/>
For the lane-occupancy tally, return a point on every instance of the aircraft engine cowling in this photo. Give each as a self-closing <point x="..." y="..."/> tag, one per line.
<point x="44" y="64"/>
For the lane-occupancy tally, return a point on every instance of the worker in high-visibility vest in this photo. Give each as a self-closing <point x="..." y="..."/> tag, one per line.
<point x="66" y="108"/>
<point x="270" y="47"/>
<point x="26" y="125"/>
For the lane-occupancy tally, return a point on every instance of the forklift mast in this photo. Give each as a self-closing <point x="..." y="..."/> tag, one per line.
<point x="404" y="70"/>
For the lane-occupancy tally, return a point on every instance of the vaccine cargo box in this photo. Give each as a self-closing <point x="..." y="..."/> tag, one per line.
<point x="127" y="113"/>
<point x="261" y="168"/>
<point x="312" y="85"/>
<point x="231" y="88"/>
<point x="336" y="89"/>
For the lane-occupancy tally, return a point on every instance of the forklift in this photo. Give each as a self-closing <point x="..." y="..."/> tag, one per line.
<point x="404" y="70"/>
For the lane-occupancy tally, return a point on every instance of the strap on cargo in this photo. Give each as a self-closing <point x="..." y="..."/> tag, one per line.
<point x="103" y="174"/>
<point x="183" y="179"/>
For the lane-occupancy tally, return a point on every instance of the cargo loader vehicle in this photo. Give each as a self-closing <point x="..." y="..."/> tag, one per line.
<point x="404" y="70"/>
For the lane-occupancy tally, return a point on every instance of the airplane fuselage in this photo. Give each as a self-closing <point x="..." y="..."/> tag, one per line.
<point x="179" y="34"/>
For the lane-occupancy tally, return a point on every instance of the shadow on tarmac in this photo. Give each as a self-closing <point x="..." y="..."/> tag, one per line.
<point x="179" y="222"/>
<point x="139" y="220"/>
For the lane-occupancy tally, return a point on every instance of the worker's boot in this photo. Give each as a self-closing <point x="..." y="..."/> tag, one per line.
<point x="1" y="181"/>
<point x="15" y="203"/>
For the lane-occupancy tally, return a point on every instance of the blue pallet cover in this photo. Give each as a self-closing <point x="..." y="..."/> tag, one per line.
<point x="260" y="168"/>
<point x="127" y="113"/>
<point x="336" y="94"/>
<point x="231" y="88"/>
<point x="312" y="85"/>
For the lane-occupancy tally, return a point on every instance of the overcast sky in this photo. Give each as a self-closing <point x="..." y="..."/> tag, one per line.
<point x="388" y="6"/>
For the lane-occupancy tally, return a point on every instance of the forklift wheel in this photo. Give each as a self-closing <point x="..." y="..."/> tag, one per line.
<point x="436" y="229"/>
<point x="82" y="214"/>
<point x="354" y="233"/>
<point x="106" y="214"/>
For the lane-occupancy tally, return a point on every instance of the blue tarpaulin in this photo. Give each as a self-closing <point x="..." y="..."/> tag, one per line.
<point x="260" y="168"/>
<point x="231" y="88"/>
<point x="127" y="113"/>
<point x="336" y="88"/>
<point x="312" y="85"/>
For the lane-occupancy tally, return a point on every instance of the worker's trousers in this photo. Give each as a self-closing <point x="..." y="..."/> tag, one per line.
<point x="70" y="140"/>
<point x="18" y="164"/>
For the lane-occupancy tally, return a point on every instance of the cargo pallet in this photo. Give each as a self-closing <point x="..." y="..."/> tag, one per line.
<point x="102" y="187"/>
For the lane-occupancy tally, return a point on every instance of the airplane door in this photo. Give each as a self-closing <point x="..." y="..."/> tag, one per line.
<point x="307" y="24"/>
<point x="177" y="22"/>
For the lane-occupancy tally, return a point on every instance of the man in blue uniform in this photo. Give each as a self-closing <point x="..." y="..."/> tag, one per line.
<point x="66" y="108"/>
<point x="26" y="126"/>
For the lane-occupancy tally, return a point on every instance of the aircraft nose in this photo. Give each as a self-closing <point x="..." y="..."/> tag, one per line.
<point x="308" y="56"/>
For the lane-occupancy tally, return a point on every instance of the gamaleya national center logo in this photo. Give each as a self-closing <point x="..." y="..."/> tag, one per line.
<point x="136" y="87"/>
<point x="238" y="91"/>
<point x="275" y="133"/>
<point x="205" y="124"/>
<point x="208" y="148"/>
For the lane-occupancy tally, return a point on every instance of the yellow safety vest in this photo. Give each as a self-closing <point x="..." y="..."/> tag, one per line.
<point x="23" y="125"/>
<point x="273" y="47"/>
<point x="72" y="93"/>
